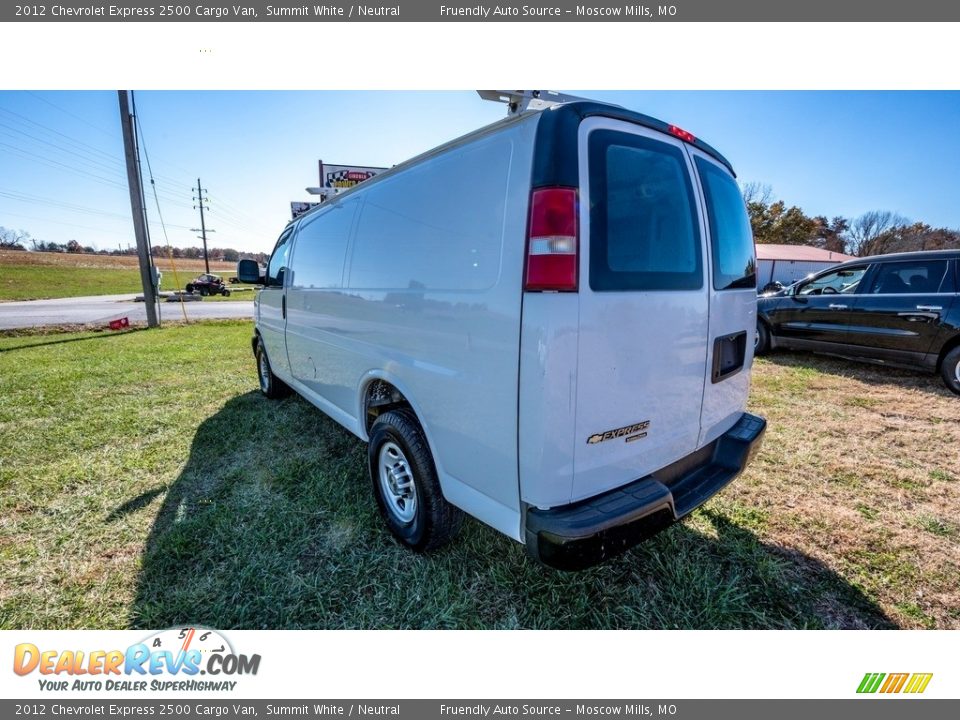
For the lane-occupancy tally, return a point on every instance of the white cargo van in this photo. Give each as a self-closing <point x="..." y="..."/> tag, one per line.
<point x="547" y="324"/>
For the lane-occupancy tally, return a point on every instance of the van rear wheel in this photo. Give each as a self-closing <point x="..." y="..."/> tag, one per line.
<point x="406" y="486"/>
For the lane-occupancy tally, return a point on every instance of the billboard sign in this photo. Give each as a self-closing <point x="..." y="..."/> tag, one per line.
<point x="345" y="176"/>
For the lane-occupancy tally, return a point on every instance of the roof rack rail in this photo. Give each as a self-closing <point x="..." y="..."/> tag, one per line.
<point x="521" y="101"/>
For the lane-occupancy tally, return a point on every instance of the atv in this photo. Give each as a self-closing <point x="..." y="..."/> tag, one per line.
<point x="208" y="285"/>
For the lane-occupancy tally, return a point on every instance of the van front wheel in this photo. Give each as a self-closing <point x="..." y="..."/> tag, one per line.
<point x="406" y="486"/>
<point x="270" y="385"/>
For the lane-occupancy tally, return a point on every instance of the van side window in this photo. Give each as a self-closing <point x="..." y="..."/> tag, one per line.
<point x="437" y="225"/>
<point x="643" y="224"/>
<point x="731" y="238"/>
<point x="278" y="260"/>
<point x="321" y="247"/>
<point x="916" y="277"/>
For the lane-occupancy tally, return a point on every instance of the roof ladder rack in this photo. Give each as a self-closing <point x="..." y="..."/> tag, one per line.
<point x="521" y="101"/>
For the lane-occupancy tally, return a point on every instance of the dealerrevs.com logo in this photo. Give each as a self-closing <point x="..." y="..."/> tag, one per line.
<point x="179" y="659"/>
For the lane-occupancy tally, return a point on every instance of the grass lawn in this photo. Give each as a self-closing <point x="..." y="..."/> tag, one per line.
<point x="38" y="282"/>
<point x="142" y="485"/>
<point x="35" y="276"/>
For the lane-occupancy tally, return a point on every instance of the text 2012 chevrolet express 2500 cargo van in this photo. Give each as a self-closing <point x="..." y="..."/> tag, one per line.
<point x="547" y="324"/>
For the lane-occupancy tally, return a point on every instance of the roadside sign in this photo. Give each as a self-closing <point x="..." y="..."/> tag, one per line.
<point x="299" y="208"/>
<point x="346" y="176"/>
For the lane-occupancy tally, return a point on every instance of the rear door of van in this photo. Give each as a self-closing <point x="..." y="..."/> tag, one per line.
<point x="732" y="283"/>
<point x="644" y="301"/>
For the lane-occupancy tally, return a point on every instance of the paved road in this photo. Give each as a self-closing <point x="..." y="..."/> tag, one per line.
<point x="103" y="308"/>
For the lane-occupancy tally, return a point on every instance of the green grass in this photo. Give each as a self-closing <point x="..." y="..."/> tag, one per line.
<point x="142" y="485"/>
<point x="36" y="282"/>
<point x="33" y="282"/>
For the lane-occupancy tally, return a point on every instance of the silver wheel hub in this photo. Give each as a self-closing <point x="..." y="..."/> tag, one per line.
<point x="956" y="371"/>
<point x="396" y="482"/>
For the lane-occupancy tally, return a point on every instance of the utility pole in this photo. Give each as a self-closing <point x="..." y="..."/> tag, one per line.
<point x="203" y="227"/>
<point x="136" y="207"/>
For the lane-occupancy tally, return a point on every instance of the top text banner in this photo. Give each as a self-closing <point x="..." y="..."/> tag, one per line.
<point x="465" y="11"/>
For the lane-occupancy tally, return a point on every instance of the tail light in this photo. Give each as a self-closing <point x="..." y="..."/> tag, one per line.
<point x="552" y="248"/>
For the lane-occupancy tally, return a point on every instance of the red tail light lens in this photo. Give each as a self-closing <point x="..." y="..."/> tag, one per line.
<point x="682" y="134"/>
<point x="552" y="248"/>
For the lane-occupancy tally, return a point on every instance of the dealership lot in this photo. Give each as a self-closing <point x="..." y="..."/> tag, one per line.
<point x="140" y="486"/>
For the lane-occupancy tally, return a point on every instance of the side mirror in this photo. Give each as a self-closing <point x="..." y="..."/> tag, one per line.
<point x="248" y="271"/>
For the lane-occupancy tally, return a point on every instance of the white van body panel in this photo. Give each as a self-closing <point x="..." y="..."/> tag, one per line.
<point x="548" y="397"/>
<point x="429" y="300"/>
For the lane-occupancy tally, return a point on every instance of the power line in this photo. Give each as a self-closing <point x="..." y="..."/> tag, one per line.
<point x="71" y="139"/>
<point x="51" y="162"/>
<point x="86" y="147"/>
<point x="97" y="163"/>
<point x="112" y="135"/>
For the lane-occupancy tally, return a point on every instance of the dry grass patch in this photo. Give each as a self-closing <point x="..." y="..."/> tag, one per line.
<point x="860" y="463"/>
<point x="108" y="262"/>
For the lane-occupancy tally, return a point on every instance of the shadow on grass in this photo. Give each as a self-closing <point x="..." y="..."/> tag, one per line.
<point x="271" y="524"/>
<point x="27" y="344"/>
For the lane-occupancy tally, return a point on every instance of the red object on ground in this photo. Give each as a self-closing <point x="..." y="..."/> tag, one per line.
<point x="119" y="324"/>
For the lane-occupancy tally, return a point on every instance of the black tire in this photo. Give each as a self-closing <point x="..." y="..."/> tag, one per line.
<point x="950" y="370"/>
<point x="433" y="522"/>
<point x="762" y="344"/>
<point x="189" y="287"/>
<point x="226" y="293"/>
<point x="204" y="291"/>
<point x="270" y="385"/>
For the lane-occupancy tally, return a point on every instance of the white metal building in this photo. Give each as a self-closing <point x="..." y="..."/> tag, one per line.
<point x="788" y="263"/>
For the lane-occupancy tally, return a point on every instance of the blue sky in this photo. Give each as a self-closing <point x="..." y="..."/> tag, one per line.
<point x="61" y="153"/>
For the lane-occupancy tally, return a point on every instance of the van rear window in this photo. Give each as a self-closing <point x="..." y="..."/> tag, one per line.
<point x="643" y="223"/>
<point x="731" y="239"/>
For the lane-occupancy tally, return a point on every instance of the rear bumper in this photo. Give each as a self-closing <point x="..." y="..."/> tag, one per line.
<point x="577" y="536"/>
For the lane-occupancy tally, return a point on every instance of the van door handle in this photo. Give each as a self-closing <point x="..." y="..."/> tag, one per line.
<point x="837" y="307"/>
<point x="929" y="308"/>
<point x="283" y="306"/>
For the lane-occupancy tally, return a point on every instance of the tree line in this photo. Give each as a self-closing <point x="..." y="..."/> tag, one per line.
<point x="21" y="240"/>
<point x="874" y="233"/>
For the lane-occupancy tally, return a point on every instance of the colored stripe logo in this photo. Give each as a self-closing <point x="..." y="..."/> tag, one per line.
<point x="913" y="683"/>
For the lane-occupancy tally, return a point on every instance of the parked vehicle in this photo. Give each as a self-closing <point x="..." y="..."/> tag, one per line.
<point x="208" y="285"/>
<point x="900" y="310"/>
<point x="546" y="323"/>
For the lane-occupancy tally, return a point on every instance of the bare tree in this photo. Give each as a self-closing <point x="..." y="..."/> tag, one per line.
<point x="864" y="231"/>
<point x="11" y="239"/>
<point x="754" y="192"/>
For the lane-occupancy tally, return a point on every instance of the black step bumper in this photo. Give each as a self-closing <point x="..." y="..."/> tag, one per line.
<point x="585" y="533"/>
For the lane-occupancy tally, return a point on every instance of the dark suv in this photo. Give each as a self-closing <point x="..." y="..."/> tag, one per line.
<point x="901" y="310"/>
